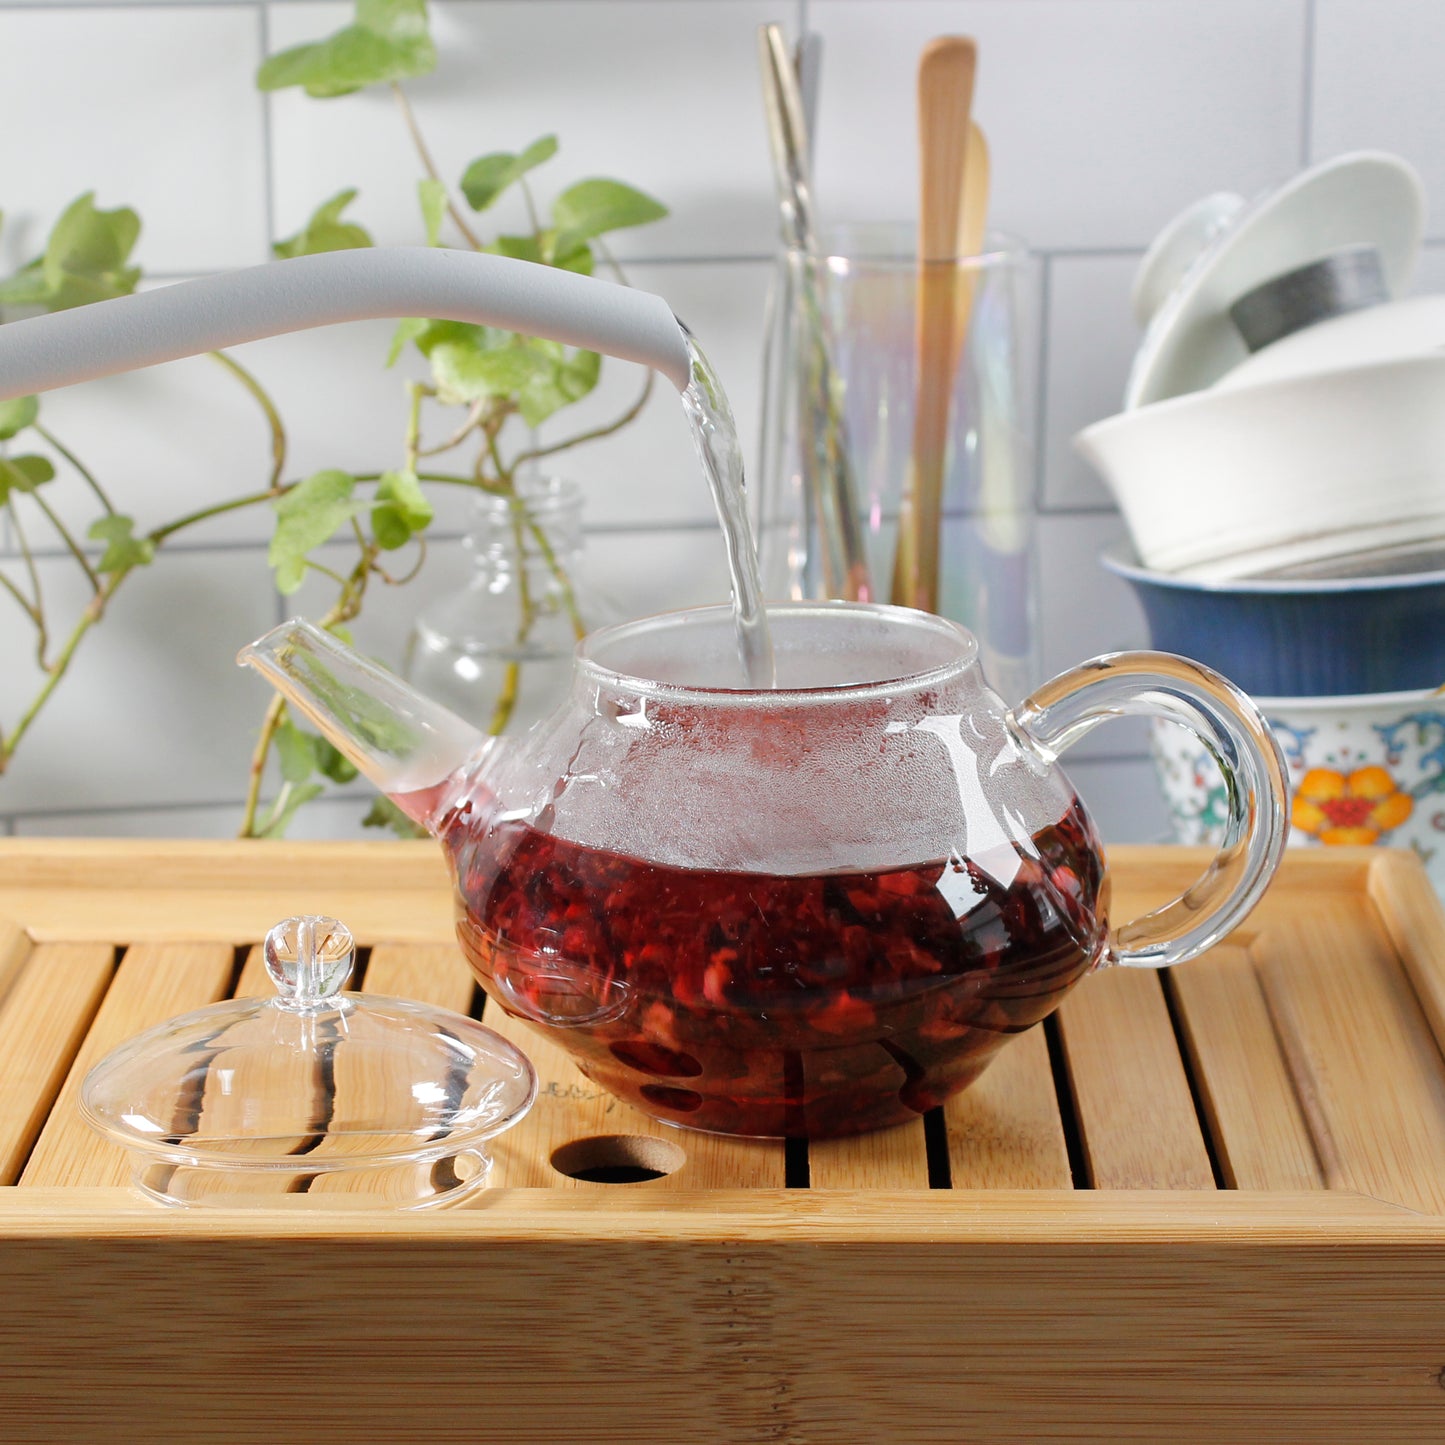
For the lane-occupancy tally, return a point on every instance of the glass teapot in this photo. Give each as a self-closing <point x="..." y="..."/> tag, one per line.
<point x="809" y="910"/>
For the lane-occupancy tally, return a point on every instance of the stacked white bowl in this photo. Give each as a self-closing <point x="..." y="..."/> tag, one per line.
<point x="1284" y="433"/>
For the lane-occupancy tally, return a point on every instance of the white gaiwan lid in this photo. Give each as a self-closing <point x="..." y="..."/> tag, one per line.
<point x="1365" y="198"/>
<point x="311" y="1096"/>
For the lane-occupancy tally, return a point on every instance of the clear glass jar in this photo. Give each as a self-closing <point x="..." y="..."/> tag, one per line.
<point x="499" y="650"/>
<point x="844" y="436"/>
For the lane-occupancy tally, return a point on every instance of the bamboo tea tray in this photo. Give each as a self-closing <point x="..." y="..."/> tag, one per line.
<point x="1205" y="1206"/>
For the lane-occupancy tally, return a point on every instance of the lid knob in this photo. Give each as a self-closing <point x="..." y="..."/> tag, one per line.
<point x="309" y="959"/>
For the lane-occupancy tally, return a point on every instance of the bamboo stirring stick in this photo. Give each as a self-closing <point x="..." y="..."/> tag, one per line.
<point x="945" y="98"/>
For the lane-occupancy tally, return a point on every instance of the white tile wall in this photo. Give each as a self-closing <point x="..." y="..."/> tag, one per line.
<point x="1104" y="117"/>
<point x="1091" y="340"/>
<point x="152" y="108"/>
<point x="154" y="709"/>
<point x="1088" y="611"/>
<point x="664" y="97"/>
<point x="1376" y="84"/>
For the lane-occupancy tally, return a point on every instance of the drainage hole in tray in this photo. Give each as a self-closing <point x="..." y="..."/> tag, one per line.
<point x="618" y="1159"/>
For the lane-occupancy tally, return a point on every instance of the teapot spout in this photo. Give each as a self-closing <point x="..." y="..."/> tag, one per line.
<point x="417" y="752"/>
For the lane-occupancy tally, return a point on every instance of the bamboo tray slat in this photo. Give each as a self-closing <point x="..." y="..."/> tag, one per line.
<point x="1136" y="1118"/>
<point x="1192" y="1206"/>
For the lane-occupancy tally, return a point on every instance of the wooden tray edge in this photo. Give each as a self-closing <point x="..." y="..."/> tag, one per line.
<point x="782" y="1216"/>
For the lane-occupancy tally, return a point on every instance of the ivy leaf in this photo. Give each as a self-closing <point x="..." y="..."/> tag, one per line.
<point x="472" y="362"/>
<point x="308" y="515"/>
<point x="370" y="721"/>
<point x="539" y="248"/>
<point x="123" y="550"/>
<point x="295" y="753"/>
<point x="592" y="208"/>
<point x="330" y="763"/>
<point x="400" y="510"/>
<point x="383" y="813"/>
<point x="565" y="379"/>
<point x="581" y="260"/>
<point x="16" y="415"/>
<point x="407" y="329"/>
<point x="301" y="753"/>
<point x="326" y="231"/>
<point x="23" y="474"/>
<point x="488" y="176"/>
<point x="388" y="41"/>
<point x="519" y="248"/>
<point x="283" y="810"/>
<point x="434" y="331"/>
<point x="92" y="246"/>
<point x="27" y="287"/>
<point x="433" y="197"/>
<point x="85" y="260"/>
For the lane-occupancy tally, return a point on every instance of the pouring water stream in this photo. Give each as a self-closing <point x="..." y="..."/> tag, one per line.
<point x="715" y="435"/>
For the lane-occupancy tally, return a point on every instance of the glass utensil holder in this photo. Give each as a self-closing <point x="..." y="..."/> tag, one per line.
<point x="844" y="444"/>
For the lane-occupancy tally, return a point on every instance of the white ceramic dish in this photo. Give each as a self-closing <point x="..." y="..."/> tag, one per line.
<point x="1227" y="484"/>
<point x="1365" y="197"/>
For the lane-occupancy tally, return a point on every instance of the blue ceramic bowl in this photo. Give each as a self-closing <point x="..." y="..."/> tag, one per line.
<point x="1328" y="638"/>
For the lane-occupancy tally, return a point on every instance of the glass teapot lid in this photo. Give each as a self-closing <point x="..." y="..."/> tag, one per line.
<point x="312" y="1096"/>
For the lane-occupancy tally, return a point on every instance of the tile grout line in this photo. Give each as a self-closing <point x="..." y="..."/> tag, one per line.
<point x="1041" y="390"/>
<point x="695" y="526"/>
<point x="26" y="815"/>
<point x="760" y="258"/>
<point x="268" y="158"/>
<point x="1307" y="95"/>
<point x="750" y="258"/>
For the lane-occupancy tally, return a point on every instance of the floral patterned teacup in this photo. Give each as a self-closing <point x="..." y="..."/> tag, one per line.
<point x="1361" y="770"/>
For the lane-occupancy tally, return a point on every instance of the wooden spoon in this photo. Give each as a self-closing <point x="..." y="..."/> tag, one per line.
<point x="945" y="99"/>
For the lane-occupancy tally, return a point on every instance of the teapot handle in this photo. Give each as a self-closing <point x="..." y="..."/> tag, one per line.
<point x="1230" y="726"/>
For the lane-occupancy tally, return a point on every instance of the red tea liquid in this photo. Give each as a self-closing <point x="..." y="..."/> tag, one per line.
<point x="747" y="1003"/>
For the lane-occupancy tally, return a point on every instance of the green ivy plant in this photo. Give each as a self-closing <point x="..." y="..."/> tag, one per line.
<point x="490" y="387"/>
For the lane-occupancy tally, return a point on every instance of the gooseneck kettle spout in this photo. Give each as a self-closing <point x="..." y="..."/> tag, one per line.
<point x="191" y="317"/>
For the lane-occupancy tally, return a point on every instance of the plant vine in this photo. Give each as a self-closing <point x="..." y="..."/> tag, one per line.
<point x="497" y="384"/>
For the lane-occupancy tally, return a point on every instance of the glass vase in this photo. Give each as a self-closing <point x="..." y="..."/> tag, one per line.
<point x="498" y="651"/>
